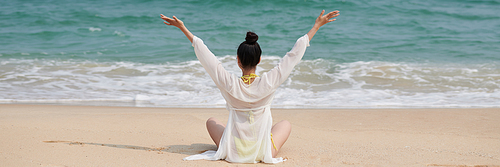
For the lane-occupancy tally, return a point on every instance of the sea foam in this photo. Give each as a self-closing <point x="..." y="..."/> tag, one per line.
<point x="312" y="84"/>
<point x="92" y="29"/>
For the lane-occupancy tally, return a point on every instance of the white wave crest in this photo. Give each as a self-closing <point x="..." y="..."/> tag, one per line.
<point x="313" y="83"/>
<point x="92" y="29"/>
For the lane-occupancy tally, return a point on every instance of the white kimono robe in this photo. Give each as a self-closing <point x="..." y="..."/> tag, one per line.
<point x="247" y="137"/>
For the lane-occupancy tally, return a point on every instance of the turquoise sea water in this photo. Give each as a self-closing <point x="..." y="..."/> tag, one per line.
<point x="384" y="53"/>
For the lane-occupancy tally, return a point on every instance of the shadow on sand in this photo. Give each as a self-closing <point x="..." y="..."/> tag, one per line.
<point x="192" y="149"/>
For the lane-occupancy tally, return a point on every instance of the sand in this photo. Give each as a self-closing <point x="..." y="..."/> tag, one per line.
<point x="56" y="135"/>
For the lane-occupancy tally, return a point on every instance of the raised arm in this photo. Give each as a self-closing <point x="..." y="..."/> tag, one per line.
<point x="179" y="24"/>
<point x="322" y="20"/>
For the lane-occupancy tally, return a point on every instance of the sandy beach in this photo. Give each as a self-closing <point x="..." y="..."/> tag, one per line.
<point x="53" y="135"/>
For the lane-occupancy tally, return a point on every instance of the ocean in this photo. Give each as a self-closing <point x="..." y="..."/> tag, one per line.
<point x="378" y="54"/>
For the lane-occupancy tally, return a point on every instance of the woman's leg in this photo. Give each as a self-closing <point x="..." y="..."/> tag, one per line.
<point x="280" y="132"/>
<point x="215" y="129"/>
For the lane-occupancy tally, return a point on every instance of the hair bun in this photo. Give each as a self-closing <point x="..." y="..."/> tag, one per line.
<point x="251" y="38"/>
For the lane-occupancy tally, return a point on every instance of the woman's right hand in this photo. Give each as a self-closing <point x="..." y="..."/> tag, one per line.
<point x="323" y="19"/>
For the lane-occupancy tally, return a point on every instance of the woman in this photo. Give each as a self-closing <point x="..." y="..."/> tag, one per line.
<point x="249" y="136"/>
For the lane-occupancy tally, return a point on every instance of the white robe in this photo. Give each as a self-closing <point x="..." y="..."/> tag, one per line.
<point x="247" y="136"/>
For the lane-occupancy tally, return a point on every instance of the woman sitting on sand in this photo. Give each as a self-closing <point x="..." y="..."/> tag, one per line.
<point x="249" y="136"/>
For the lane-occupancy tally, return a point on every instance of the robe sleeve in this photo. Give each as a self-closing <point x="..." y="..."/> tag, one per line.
<point x="212" y="65"/>
<point x="280" y="73"/>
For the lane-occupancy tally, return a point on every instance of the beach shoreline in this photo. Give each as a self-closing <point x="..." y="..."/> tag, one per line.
<point x="64" y="135"/>
<point x="133" y="104"/>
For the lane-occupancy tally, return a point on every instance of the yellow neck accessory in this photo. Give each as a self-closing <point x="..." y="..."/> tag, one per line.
<point x="247" y="78"/>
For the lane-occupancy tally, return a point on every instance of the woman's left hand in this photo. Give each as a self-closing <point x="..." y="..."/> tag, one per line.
<point x="172" y="21"/>
<point x="179" y="24"/>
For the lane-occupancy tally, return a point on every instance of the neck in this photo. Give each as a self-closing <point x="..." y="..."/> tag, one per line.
<point x="248" y="72"/>
<point x="247" y="77"/>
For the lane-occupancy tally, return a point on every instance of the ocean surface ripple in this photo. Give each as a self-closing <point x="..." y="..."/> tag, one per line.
<point x="378" y="54"/>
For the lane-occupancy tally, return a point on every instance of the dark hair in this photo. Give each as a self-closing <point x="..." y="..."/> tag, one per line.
<point x="249" y="51"/>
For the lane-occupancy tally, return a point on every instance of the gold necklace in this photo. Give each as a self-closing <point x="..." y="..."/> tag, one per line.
<point x="247" y="78"/>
